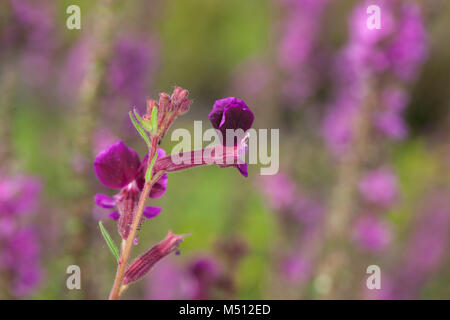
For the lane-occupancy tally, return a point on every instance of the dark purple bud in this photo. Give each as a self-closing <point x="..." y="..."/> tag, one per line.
<point x="231" y="113"/>
<point x="117" y="165"/>
<point x="139" y="267"/>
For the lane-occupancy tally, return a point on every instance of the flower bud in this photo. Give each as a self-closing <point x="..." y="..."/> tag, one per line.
<point x="139" y="267"/>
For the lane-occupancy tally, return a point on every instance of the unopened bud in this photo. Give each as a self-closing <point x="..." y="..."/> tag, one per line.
<point x="150" y="105"/>
<point x="139" y="267"/>
<point x="164" y="101"/>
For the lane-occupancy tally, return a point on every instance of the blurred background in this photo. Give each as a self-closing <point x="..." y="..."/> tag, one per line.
<point x="364" y="146"/>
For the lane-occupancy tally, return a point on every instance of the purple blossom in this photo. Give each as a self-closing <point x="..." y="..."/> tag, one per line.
<point x="371" y="233"/>
<point x="35" y="32"/>
<point x="20" y="254"/>
<point x="370" y="54"/>
<point x="297" y="46"/>
<point x="207" y="272"/>
<point x="391" y="124"/>
<point x="119" y="167"/>
<point x="133" y="62"/>
<point x="167" y="281"/>
<point x="19" y="195"/>
<point x="379" y="187"/>
<point x="196" y="280"/>
<point x="409" y="48"/>
<point x="296" y="269"/>
<point x="279" y="190"/>
<point x="426" y="251"/>
<point x="227" y="114"/>
<point x="231" y="114"/>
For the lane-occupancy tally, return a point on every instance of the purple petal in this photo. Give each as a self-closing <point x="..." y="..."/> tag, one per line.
<point x="159" y="188"/>
<point x="151" y="212"/>
<point x="117" y="165"/>
<point x="104" y="201"/>
<point x="114" y="215"/>
<point x="231" y="113"/>
<point x="242" y="169"/>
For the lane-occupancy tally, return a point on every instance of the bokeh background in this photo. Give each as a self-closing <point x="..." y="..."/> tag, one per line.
<point x="364" y="146"/>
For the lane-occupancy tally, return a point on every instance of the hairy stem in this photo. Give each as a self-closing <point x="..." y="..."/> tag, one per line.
<point x="117" y="290"/>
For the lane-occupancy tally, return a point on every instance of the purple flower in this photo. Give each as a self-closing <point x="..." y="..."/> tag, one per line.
<point x="279" y="190"/>
<point x="207" y="272"/>
<point x="35" y="31"/>
<point x="19" y="195"/>
<point x="20" y="254"/>
<point x="379" y="187"/>
<point x="391" y="124"/>
<point x="408" y="50"/>
<point x="119" y="167"/>
<point x="426" y="251"/>
<point x="231" y="113"/>
<point x="296" y="269"/>
<point x="297" y="54"/>
<point x="131" y="66"/>
<point x="372" y="234"/>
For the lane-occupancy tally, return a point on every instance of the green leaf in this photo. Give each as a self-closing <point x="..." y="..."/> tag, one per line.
<point x="154" y="120"/>
<point x="139" y="129"/>
<point x="148" y="174"/>
<point x="109" y="241"/>
<point x="144" y="123"/>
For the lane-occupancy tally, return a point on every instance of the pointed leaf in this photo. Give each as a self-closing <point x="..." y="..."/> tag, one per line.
<point x="109" y="241"/>
<point x="139" y="129"/>
<point x="144" y="123"/>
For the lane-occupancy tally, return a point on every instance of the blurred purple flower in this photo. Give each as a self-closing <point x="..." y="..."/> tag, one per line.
<point x="426" y="251"/>
<point x="380" y="187"/>
<point x="408" y="50"/>
<point x="19" y="195"/>
<point x="35" y="35"/>
<point x="131" y="67"/>
<point x="371" y="233"/>
<point x="369" y="54"/>
<point x="170" y="282"/>
<point x="298" y="41"/>
<point x="279" y="190"/>
<point x="119" y="167"/>
<point x="77" y="64"/>
<point x="196" y="280"/>
<point x="20" y="254"/>
<point x="296" y="269"/>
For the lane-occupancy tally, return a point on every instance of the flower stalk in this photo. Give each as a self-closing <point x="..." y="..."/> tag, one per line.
<point x="125" y="255"/>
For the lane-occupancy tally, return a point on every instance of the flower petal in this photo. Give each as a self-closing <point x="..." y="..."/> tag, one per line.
<point x="151" y="212"/>
<point x="231" y="113"/>
<point x="242" y="169"/>
<point x="114" y="215"/>
<point x="159" y="188"/>
<point x="104" y="201"/>
<point x="117" y="165"/>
